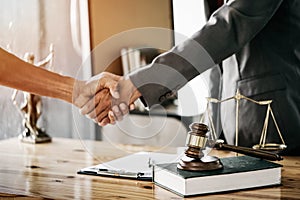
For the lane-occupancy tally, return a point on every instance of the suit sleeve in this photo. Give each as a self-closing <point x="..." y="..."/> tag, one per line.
<point x="226" y="32"/>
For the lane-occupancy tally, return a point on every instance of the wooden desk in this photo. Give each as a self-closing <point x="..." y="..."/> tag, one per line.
<point x="49" y="171"/>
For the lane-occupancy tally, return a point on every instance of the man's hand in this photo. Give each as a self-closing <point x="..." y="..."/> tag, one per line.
<point x="93" y="97"/>
<point x="105" y="98"/>
<point x="127" y="94"/>
<point x="85" y="90"/>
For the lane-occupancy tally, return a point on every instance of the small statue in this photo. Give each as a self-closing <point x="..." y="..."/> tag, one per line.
<point x="31" y="108"/>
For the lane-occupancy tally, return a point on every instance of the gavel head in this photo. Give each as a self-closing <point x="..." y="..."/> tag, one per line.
<point x="196" y="140"/>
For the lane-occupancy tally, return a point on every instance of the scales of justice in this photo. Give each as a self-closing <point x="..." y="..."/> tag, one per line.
<point x="201" y="138"/>
<point x="31" y="108"/>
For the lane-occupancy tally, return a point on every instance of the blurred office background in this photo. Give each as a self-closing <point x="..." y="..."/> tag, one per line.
<point x="78" y="27"/>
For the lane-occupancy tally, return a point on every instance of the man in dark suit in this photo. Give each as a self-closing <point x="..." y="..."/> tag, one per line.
<point x="258" y="44"/>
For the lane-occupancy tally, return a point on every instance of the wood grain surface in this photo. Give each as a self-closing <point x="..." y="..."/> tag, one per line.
<point x="49" y="171"/>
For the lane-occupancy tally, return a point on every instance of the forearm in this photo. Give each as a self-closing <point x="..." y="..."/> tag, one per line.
<point x="234" y="25"/>
<point x="20" y="75"/>
<point x="170" y="71"/>
<point x="227" y="31"/>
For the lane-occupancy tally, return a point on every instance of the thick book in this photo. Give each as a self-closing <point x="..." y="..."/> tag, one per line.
<point x="240" y="172"/>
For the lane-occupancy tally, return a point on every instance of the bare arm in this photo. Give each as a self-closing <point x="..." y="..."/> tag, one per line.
<point x="18" y="74"/>
<point x="21" y="75"/>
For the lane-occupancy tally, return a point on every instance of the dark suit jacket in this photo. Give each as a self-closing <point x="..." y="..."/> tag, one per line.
<point x="259" y="44"/>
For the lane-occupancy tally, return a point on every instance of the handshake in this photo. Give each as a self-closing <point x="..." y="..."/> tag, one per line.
<point x="105" y="98"/>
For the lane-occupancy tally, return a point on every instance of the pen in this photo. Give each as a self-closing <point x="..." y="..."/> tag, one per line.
<point x="121" y="173"/>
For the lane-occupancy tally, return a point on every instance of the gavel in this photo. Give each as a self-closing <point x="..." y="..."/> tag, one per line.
<point x="248" y="151"/>
<point x="197" y="141"/>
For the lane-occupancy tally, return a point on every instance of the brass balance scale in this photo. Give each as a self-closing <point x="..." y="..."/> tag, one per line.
<point x="198" y="140"/>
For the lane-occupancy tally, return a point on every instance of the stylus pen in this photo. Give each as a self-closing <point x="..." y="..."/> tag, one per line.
<point x="122" y="173"/>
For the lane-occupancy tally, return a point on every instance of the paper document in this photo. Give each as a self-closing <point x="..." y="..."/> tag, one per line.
<point x="136" y="166"/>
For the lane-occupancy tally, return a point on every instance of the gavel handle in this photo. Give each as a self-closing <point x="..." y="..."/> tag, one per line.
<point x="249" y="151"/>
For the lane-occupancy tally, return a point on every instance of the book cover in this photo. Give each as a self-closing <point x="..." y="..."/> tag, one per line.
<point x="238" y="173"/>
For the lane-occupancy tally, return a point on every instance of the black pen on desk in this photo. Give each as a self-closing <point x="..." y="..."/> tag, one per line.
<point x="120" y="173"/>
